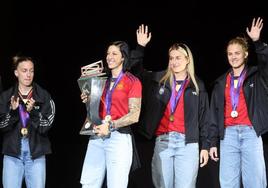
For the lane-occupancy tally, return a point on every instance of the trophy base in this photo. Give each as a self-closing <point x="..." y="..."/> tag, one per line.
<point x="87" y="128"/>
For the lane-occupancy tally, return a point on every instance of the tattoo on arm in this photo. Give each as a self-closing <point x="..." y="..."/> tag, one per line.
<point x="133" y="115"/>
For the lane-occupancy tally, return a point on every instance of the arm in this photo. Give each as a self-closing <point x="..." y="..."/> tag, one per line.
<point x="1" y="87"/>
<point x="204" y="123"/>
<point x="132" y="116"/>
<point x="213" y="128"/>
<point x="9" y="114"/>
<point x="136" y="56"/>
<point x="42" y="116"/>
<point x="260" y="47"/>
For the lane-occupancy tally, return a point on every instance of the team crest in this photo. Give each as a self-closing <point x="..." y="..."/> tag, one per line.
<point x="120" y="86"/>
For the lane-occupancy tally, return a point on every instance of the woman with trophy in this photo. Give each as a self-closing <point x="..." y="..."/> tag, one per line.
<point x="110" y="149"/>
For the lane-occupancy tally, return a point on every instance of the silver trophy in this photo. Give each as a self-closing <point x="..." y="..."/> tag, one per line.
<point x="92" y="82"/>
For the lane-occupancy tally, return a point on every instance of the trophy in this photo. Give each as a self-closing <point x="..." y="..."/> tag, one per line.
<point x="92" y="82"/>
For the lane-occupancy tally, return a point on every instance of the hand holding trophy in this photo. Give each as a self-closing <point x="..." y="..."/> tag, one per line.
<point x="91" y="84"/>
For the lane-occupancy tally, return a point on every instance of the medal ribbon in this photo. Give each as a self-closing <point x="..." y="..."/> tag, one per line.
<point x="175" y="98"/>
<point x="24" y="115"/>
<point x="234" y="92"/>
<point x="109" y="92"/>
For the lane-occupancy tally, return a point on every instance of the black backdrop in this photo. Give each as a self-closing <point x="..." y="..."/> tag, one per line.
<point x="63" y="36"/>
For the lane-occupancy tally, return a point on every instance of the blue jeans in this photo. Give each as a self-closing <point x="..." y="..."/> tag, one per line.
<point x="241" y="153"/>
<point x="175" y="164"/>
<point x="15" y="169"/>
<point x="112" y="155"/>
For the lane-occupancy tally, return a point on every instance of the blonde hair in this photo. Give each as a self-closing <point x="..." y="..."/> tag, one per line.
<point x="190" y="66"/>
<point x="242" y="41"/>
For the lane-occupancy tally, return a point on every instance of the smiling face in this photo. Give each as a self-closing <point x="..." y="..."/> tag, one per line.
<point x="25" y="73"/>
<point x="114" y="58"/>
<point x="236" y="56"/>
<point x="178" y="61"/>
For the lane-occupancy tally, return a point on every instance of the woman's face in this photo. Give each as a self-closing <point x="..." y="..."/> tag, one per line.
<point x="114" y="57"/>
<point x="177" y="61"/>
<point x="236" y="55"/>
<point x="25" y="73"/>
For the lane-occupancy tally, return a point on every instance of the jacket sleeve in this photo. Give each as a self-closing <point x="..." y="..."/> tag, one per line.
<point x="213" y="128"/>
<point x="136" y="61"/>
<point x="8" y="117"/>
<point x="1" y="86"/>
<point x="204" y="119"/>
<point x="262" y="58"/>
<point x="42" y="116"/>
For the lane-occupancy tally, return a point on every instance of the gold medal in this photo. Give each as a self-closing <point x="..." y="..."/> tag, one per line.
<point x="108" y="118"/>
<point x="24" y="131"/>
<point x="171" y="118"/>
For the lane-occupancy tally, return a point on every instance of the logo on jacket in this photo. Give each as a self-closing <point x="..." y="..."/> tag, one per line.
<point x="251" y="85"/>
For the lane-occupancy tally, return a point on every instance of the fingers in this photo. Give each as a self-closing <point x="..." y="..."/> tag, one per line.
<point x="203" y="161"/>
<point x="84" y="97"/>
<point x="143" y="29"/>
<point x="257" y="23"/>
<point x="14" y="102"/>
<point x="213" y="153"/>
<point x="203" y="158"/>
<point x="30" y="104"/>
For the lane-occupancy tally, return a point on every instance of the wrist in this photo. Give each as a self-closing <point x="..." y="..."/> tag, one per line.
<point x="112" y="126"/>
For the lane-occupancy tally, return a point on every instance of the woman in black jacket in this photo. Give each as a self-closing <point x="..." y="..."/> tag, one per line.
<point x="175" y="109"/>
<point x="26" y="114"/>
<point x="239" y="114"/>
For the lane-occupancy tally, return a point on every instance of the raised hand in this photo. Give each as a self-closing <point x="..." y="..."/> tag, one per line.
<point x="255" y="29"/>
<point x="143" y="36"/>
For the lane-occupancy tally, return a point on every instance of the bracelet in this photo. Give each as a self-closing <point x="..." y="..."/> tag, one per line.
<point x="111" y="126"/>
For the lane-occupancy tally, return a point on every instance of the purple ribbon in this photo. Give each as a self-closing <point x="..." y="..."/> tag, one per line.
<point x="175" y="98"/>
<point x="234" y="92"/>
<point x="24" y="115"/>
<point x="109" y="92"/>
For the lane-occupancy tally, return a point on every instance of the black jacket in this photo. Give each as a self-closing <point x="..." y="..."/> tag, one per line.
<point x="255" y="92"/>
<point x="41" y="118"/>
<point x="154" y="103"/>
<point x="1" y="87"/>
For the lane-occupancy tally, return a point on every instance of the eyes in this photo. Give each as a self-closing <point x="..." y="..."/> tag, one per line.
<point x="234" y="53"/>
<point x="175" y="58"/>
<point x="26" y="70"/>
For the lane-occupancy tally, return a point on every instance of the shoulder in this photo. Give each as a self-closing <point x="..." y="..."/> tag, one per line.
<point x="41" y="93"/>
<point x="5" y="95"/>
<point x="130" y="77"/>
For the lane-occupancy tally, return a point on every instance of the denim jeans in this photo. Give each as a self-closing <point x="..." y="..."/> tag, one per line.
<point x="112" y="155"/>
<point x="175" y="164"/>
<point x="16" y="169"/>
<point x="241" y="153"/>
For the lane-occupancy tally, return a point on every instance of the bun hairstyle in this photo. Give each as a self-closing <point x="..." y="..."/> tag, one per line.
<point x="16" y="60"/>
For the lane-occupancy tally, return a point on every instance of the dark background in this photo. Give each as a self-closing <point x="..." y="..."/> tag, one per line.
<point x="62" y="36"/>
